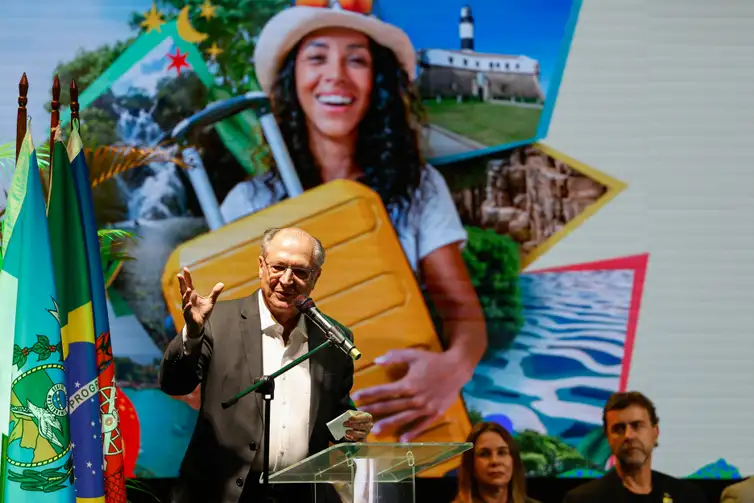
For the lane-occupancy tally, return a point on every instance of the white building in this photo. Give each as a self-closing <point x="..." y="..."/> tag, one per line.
<point x="478" y="61"/>
<point x="465" y="73"/>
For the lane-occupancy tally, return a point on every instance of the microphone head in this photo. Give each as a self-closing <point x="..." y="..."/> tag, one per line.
<point x="303" y="303"/>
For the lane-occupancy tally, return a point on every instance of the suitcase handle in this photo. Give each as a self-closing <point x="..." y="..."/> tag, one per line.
<point x="259" y="103"/>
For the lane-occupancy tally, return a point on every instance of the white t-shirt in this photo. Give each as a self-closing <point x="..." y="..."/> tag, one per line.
<point x="431" y="223"/>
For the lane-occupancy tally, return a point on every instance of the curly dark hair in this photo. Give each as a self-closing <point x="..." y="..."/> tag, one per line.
<point x="387" y="148"/>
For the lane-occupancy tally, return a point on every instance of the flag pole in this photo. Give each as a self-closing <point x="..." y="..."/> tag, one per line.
<point x="55" y="115"/>
<point x="23" y="90"/>
<point x="54" y="123"/>
<point x="74" y="92"/>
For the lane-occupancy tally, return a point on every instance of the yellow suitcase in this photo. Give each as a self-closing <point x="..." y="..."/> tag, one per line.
<point x="366" y="284"/>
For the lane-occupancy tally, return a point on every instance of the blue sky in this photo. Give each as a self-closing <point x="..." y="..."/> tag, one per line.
<point x="534" y="28"/>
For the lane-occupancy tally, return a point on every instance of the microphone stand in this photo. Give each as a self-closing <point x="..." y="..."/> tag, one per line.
<point x="265" y="386"/>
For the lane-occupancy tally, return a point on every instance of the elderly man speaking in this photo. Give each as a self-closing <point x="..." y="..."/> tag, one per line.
<point x="226" y="345"/>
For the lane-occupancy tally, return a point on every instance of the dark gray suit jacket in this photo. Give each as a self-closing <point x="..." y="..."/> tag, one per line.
<point x="225" y="442"/>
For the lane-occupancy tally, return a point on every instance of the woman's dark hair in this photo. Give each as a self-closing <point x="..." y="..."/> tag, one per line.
<point x="387" y="148"/>
<point x="467" y="484"/>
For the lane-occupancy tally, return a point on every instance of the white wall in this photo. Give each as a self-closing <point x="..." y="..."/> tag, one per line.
<point x="659" y="94"/>
<point x="439" y="57"/>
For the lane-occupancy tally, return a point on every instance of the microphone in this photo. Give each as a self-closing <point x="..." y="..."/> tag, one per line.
<point x="306" y="306"/>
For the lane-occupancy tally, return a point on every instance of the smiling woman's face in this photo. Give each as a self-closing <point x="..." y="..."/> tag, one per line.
<point x="334" y="81"/>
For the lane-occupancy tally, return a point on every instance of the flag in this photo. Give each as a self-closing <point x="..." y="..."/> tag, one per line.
<point x="115" y="479"/>
<point x="37" y="462"/>
<point x="77" y="328"/>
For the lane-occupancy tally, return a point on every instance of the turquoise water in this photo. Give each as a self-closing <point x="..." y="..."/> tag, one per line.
<point x="166" y="427"/>
<point x="567" y="358"/>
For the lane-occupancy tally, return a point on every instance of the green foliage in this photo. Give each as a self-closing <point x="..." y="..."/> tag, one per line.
<point x="110" y="202"/>
<point x="111" y="244"/>
<point x="234" y="29"/>
<point x="87" y="65"/>
<point x="140" y="487"/>
<point x="546" y="456"/>
<point x="7" y="159"/>
<point x="493" y="264"/>
<point x="6" y="172"/>
<point x="43" y="156"/>
<point x="97" y="125"/>
<point x="594" y="447"/>
<point x="179" y="97"/>
<point x="128" y="372"/>
<point x="475" y="416"/>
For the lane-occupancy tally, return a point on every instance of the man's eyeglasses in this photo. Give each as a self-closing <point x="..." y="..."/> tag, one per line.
<point x="301" y="273"/>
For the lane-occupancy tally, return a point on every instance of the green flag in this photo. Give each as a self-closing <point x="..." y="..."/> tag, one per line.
<point x="33" y="397"/>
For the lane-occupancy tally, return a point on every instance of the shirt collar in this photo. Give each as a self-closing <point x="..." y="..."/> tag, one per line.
<point x="270" y="325"/>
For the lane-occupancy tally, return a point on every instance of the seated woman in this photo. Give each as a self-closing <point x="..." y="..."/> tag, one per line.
<point x="491" y="472"/>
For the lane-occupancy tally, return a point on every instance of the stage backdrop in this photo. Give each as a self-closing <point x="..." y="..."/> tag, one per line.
<point x="562" y="296"/>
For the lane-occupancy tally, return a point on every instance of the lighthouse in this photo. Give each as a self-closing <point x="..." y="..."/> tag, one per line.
<point x="466" y="29"/>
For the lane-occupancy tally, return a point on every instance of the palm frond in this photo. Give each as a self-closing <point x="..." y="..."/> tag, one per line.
<point x="111" y="245"/>
<point x="43" y="156"/>
<point x="113" y="234"/>
<point x="141" y="487"/>
<point x="107" y="161"/>
<point x="8" y="156"/>
<point x="8" y="150"/>
<point x="7" y="164"/>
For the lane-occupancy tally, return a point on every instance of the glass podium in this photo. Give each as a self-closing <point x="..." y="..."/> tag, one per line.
<point x="370" y="472"/>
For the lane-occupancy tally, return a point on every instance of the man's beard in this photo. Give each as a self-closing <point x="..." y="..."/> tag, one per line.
<point x="632" y="457"/>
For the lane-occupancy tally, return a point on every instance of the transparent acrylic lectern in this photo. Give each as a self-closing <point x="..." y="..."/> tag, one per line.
<point x="370" y="472"/>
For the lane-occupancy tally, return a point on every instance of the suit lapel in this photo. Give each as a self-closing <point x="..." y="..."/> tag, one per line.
<point x="251" y="337"/>
<point x="316" y="371"/>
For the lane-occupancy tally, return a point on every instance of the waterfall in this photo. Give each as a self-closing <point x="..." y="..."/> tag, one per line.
<point x="154" y="191"/>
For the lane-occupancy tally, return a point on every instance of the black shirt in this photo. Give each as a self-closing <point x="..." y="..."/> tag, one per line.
<point x="640" y="498"/>
<point x="610" y="488"/>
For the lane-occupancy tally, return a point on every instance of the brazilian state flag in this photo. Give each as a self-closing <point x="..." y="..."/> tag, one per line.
<point x="36" y="459"/>
<point x="77" y="328"/>
<point x="115" y="478"/>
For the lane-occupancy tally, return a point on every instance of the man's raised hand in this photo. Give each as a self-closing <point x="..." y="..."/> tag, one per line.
<point x="196" y="308"/>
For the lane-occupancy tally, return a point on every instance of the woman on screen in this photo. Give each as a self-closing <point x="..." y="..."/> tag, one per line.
<point x="492" y="471"/>
<point x="340" y="82"/>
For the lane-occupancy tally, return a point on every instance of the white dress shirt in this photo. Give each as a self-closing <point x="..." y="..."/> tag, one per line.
<point x="289" y="431"/>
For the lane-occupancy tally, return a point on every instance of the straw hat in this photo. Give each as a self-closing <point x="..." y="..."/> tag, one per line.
<point x="288" y="27"/>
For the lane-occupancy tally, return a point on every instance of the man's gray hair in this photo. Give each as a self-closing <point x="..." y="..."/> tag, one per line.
<point x="319" y="251"/>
